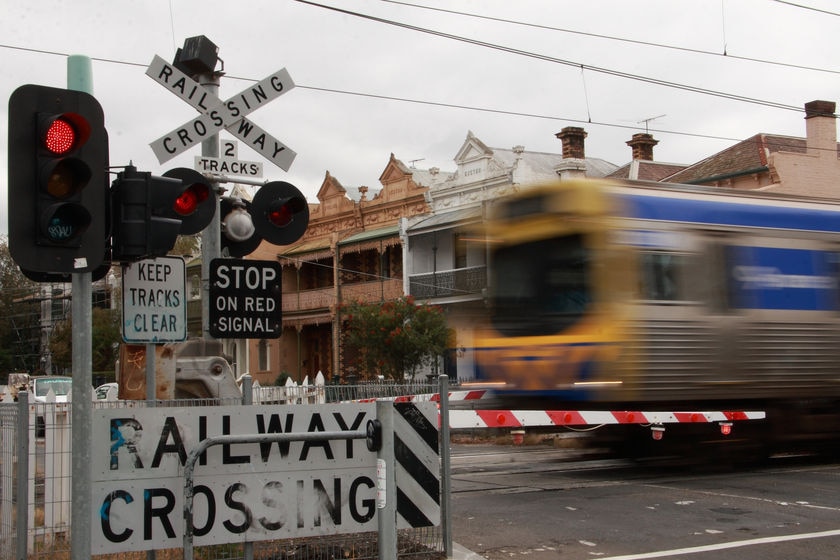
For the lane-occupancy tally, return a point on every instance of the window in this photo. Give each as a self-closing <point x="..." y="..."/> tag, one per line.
<point x="541" y="287"/>
<point x="263" y="355"/>
<point x="660" y="273"/>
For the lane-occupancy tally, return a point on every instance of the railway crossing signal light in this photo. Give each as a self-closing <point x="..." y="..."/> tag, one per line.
<point x="58" y="185"/>
<point x="195" y="206"/>
<point x="142" y="210"/>
<point x="279" y="214"/>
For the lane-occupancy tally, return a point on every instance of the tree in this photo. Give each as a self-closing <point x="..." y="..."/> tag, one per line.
<point x="105" y="338"/>
<point x="395" y="338"/>
<point x="20" y="310"/>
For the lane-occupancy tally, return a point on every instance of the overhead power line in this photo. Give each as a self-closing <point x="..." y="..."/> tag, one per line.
<point x="418" y="101"/>
<point x="795" y="5"/>
<point x="537" y="56"/>
<point x="614" y="38"/>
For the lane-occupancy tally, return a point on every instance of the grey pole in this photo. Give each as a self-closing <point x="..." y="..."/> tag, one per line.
<point x="80" y="78"/>
<point x="211" y="235"/>
<point x="22" y="482"/>
<point x="445" y="465"/>
<point x="386" y="516"/>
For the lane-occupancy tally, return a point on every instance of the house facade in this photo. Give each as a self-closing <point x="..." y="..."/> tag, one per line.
<point x="350" y="252"/>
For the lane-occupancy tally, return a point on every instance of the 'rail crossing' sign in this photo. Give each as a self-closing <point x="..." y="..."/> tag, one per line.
<point x="217" y="114"/>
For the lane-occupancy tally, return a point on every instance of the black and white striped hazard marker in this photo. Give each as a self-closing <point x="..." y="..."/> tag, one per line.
<point x="417" y="453"/>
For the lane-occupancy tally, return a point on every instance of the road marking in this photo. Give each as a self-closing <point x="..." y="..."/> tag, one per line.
<point x="724" y="546"/>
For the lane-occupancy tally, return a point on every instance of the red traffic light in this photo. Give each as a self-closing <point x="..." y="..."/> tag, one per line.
<point x="64" y="133"/>
<point x="281" y="213"/>
<point x="191" y="198"/>
<point x="58" y="181"/>
<point x="196" y="204"/>
<point x="60" y="137"/>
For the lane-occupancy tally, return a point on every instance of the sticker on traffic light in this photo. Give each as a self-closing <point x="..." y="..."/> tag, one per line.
<point x="58" y="182"/>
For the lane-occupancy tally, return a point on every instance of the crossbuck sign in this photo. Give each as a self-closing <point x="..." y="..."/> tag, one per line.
<point x="217" y="114"/>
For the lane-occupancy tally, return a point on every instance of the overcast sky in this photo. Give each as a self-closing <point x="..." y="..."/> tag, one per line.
<point x="520" y="72"/>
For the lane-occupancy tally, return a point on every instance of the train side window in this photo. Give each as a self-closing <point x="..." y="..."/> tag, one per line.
<point x="660" y="274"/>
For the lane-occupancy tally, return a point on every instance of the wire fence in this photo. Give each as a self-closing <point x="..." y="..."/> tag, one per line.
<point x="46" y="432"/>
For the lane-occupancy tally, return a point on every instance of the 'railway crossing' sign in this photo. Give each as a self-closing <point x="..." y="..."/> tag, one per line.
<point x="217" y="114"/>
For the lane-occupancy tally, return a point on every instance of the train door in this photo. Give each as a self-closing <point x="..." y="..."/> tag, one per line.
<point x="671" y="329"/>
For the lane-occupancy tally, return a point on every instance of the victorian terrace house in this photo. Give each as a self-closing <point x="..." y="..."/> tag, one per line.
<point x="350" y="252"/>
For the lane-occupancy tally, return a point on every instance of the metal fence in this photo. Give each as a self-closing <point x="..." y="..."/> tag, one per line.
<point x="35" y="444"/>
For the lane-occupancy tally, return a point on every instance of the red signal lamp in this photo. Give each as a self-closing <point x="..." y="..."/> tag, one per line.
<point x="64" y="133"/>
<point x="189" y="200"/>
<point x="60" y="137"/>
<point x="195" y="206"/>
<point x="726" y="428"/>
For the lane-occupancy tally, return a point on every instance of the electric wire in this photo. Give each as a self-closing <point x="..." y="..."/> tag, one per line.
<point x="723" y="54"/>
<point x="546" y="58"/>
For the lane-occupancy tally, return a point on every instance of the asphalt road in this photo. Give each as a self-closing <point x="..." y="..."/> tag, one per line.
<point x="538" y="503"/>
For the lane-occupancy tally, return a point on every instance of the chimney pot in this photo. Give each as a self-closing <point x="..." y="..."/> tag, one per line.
<point x="642" y="145"/>
<point x="572" y="138"/>
<point x="819" y="109"/>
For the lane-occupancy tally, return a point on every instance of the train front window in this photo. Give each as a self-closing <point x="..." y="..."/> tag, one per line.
<point x="541" y="287"/>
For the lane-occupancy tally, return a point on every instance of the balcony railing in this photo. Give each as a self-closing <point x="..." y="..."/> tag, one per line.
<point x="309" y="299"/>
<point x="449" y="283"/>
<point x="379" y="290"/>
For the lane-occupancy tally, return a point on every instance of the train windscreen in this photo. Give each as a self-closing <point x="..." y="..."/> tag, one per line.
<point x="541" y="287"/>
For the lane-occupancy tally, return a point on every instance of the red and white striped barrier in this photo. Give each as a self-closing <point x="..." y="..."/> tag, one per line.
<point x="433" y="397"/>
<point x="526" y="418"/>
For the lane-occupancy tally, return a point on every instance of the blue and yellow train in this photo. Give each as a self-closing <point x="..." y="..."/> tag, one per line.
<point x="651" y="297"/>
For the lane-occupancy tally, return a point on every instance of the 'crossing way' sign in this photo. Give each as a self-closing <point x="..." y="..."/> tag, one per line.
<point x="217" y="114"/>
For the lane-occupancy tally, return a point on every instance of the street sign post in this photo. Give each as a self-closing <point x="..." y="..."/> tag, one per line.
<point x="217" y="114"/>
<point x="245" y="299"/>
<point x="154" y="301"/>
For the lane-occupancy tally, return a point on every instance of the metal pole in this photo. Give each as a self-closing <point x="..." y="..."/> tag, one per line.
<point x="80" y="78"/>
<point x="151" y="378"/>
<point x="211" y="235"/>
<point x="445" y="466"/>
<point x="22" y="481"/>
<point x="247" y="400"/>
<point x="387" y="514"/>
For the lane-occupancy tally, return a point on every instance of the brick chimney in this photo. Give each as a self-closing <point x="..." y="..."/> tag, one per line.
<point x="642" y="145"/>
<point x="820" y="127"/>
<point x="573" y="164"/>
<point x="572" y="138"/>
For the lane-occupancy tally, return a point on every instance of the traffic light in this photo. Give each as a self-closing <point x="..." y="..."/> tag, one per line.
<point x="58" y="181"/>
<point x="278" y="214"/>
<point x="196" y="204"/>
<point x="142" y="209"/>
<point x="281" y="213"/>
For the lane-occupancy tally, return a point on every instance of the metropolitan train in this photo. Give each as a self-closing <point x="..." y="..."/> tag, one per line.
<point x="622" y="296"/>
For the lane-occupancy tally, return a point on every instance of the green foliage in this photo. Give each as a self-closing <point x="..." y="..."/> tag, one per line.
<point x="395" y="338"/>
<point x="19" y="308"/>
<point x="105" y="340"/>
